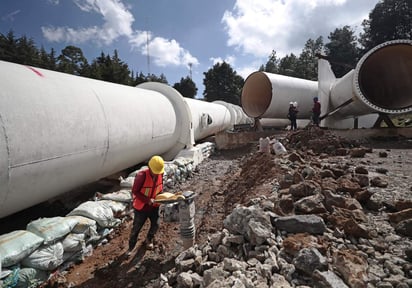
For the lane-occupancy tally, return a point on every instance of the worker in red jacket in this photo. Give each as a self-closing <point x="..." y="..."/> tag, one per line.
<point x="147" y="185"/>
<point x="316" y="111"/>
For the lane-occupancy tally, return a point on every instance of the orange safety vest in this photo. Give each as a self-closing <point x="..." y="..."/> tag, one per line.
<point x="149" y="189"/>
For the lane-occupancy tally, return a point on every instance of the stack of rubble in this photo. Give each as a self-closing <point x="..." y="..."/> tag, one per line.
<point x="326" y="223"/>
<point x="318" y="140"/>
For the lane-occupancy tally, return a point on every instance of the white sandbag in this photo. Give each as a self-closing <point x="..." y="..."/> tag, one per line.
<point x="47" y="257"/>
<point x="98" y="211"/>
<point x="74" y="242"/>
<point x="117" y="207"/>
<point x="51" y="229"/>
<point x="119" y="196"/>
<point x="16" y="245"/>
<point x="85" y="226"/>
<point x="126" y="183"/>
<point x="31" y="277"/>
<point x="70" y="257"/>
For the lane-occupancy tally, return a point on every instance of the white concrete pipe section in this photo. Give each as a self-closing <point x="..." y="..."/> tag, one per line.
<point x="267" y="95"/>
<point x="59" y="131"/>
<point x="237" y="115"/>
<point x="380" y="83"/>
<point x="208" y="118"/>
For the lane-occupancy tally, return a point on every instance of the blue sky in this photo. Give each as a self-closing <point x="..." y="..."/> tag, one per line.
<point x="178" y="32"/>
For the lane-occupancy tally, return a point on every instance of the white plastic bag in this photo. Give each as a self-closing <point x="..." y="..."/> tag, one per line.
<point x="279" y="148"/>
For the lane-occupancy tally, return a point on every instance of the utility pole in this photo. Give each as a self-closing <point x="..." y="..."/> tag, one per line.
<point x="190" y="70"/>
<point x="147" y="50"/>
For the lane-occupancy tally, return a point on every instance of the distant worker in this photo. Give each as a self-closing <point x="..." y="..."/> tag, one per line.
<point x="292" y="115"/>
<point x="316" y="111"/>
<point x="147" y="185"/>
<point x="258" y="126"/>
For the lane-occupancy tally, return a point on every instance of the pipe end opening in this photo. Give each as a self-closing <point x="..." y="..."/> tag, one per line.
<point x="384" y="77"/>
<point x="256" y="94"/>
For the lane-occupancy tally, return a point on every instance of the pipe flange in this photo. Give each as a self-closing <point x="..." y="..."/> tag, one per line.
<point x="357" y="76"/>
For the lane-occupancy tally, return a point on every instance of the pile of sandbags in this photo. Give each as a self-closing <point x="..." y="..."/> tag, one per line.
<point x="28" y="256"/>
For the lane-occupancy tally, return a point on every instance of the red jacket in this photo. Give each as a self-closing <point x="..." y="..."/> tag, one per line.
<point x="316" y="108"/>
<point x="144" y="189"/>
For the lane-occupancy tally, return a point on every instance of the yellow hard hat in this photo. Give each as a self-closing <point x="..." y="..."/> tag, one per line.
<point x="157" y="165"/>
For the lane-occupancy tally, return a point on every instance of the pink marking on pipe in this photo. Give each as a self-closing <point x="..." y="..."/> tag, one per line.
<point x="35" y="71"/>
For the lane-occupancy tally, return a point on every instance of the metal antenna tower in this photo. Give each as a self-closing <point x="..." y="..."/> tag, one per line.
<point x="190" y="70"/>
<point x="147" y="49"/>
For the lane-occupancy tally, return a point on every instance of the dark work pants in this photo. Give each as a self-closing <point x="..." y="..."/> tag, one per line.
<point x="293" y="124"/>
<point x="316" y="119"/>
<point x="140" y="218"/>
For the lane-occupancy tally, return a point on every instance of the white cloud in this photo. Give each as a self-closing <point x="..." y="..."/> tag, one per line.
<point x="139" y="38"/>
<point x="168" y="52"/>
<point x="118" y="21"/>
<point x="216" y="60"/>
<point x="228" y="59"/>
<point x="66" y="34"/>
<point x="245" y="71"/>
<point x="258" y="27"/>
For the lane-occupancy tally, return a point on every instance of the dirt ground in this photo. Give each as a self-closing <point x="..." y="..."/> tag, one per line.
<point x="224" y="179"/>
<point x="221" y="181"/>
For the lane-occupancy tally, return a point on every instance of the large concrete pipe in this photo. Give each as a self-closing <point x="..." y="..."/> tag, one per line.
<point x="208" y="118"/>
<point x="59" y="131"/>
<point x="267" y="95"/>
<point x="381" y="83"/>
<point x="237" y="115"/>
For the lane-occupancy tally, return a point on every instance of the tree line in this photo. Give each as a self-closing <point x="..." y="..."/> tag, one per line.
<point x="389" y="20"/>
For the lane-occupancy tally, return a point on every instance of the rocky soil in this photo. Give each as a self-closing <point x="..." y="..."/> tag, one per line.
<point x="328" y="213"/>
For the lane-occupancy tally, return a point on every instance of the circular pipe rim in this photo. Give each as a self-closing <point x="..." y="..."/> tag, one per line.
<point x="366" y="64"/>
<point x="256" y="94"/>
